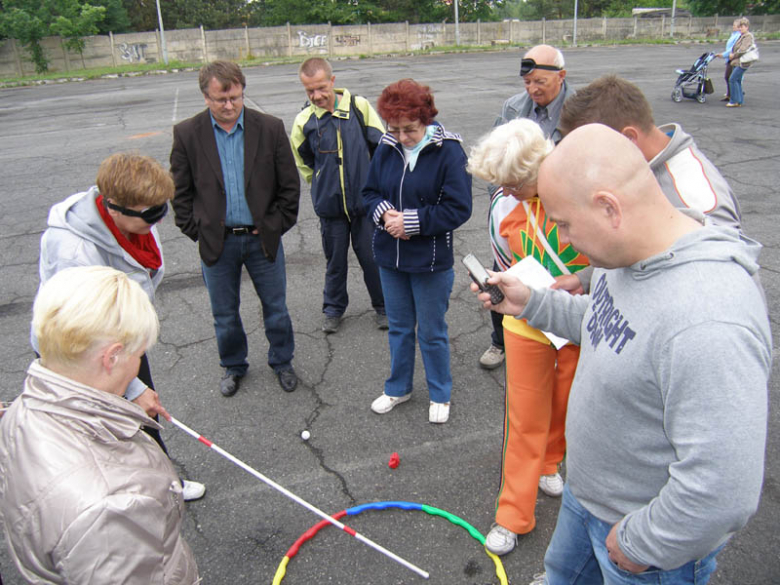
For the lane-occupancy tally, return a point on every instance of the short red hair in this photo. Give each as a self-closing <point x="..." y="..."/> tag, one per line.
<point x="407" y="99"/>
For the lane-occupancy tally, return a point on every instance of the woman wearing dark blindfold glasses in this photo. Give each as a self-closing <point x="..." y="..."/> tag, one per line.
<point x="114" y="224"/>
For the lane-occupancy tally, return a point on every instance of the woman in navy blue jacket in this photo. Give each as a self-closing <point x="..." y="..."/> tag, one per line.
<point x="417" y="193"/>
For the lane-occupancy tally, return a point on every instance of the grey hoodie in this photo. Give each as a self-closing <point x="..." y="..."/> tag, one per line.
<point x="78" y="236"/>
<point x="667" y="417"/>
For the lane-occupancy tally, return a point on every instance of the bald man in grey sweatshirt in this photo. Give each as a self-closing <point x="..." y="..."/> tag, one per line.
<point x="667" y="417"/>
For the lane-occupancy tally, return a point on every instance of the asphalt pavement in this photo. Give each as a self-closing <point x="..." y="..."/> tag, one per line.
<point x="55" y="136"/>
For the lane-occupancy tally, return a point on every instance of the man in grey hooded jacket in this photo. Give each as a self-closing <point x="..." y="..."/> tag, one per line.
<point x="667" y="417"/>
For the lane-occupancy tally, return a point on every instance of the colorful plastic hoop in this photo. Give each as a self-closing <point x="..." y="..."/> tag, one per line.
<point x="281" y="570"/>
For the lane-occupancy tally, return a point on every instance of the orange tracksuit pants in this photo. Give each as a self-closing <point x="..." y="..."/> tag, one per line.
<point x="538" y="379"/>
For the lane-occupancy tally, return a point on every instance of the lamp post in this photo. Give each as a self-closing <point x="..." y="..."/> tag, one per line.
<point x="674" y="10"/>
<point x="162" y="33"/>
<point x="574" y="35"/>
<point x="457" y="24"/>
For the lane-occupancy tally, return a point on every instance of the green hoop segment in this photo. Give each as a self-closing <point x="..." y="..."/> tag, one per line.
<point x="354" y="511"/>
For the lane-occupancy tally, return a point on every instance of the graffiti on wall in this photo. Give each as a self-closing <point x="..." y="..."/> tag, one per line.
<point x="134" y="52"/>
<point x="348" y="40"/>
<point x="428" y="34"/>
<point x="309" y="42"/>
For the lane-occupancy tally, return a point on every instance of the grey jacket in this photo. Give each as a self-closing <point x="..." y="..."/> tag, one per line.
<point x="667" y="419"/>
<point x="78" y="236"/>
<point x="85" y="495"/>
<point x="689" y="179"/>
<point x="520" y="106"/>
<point x="690" y="182"/>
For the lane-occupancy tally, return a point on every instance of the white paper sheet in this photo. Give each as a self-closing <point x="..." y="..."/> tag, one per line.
<point x="532" y="274"/>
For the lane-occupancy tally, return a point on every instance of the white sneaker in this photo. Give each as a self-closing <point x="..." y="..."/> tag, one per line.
<point x="500" y="540"/>
<point x="439" y="412"/>
<point x="492" y="358"/>
<point x="385" y="403"/>
<point x="192" y="490"/>
<point x="539" y="579"/>
<point x="552" y="485"/>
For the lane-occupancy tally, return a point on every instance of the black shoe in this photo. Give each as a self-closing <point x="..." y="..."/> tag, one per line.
<point x="381" y="322"/>
<point x="229" y="383"/>
<point x="331" y="323"/>
<point x="288" y="379"/>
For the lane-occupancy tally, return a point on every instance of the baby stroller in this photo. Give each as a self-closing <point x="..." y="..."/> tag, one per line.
<point x="694" y="83"/>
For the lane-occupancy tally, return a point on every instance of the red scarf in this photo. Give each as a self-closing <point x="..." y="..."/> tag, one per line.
<point x="142" y="247"/>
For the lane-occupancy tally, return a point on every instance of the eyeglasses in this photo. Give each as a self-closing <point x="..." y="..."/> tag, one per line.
<point x="513" y="188"/>
<point x="528" y="65"/>
<point x="150" y="215"/>
<point x="224" y="101"/>
<point x="407" y="130"/>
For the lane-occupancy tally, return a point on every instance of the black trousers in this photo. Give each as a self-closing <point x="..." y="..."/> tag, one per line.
<point x="497" y="319"/>
<point x="145" y="375"/>
<point x="729" y="69"/>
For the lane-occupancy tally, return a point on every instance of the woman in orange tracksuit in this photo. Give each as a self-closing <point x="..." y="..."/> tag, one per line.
<point x="538" y="376"/>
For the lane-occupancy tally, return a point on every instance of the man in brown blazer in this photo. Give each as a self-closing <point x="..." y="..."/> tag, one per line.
<point x="237" y="191"/>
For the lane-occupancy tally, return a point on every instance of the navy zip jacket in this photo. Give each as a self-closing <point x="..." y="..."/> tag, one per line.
<point x="332" y="153"/>
<point x="435" y="199"/>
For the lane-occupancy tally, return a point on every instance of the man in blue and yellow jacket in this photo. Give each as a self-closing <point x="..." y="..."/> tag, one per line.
<point x="333" y="139"/>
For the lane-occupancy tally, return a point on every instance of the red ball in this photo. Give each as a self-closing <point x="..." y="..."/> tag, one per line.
<point x="394" y="461"/>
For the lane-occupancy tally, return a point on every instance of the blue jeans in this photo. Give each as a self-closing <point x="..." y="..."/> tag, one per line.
<point x="577" y="554"/>
<point x="735" y="85"/>
<point x="336" y="235"/>
<point x="418" y="299"/>
<point x="223" y="281"/>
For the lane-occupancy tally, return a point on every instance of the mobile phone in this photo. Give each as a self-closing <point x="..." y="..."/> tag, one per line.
<point x="480" y="276"/>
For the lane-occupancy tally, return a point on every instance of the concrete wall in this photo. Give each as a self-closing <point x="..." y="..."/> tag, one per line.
<point x="197" y="45"/>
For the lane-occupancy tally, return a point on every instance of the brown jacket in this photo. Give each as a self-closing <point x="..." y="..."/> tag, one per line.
<point x="740" y="48"/>
<point x="271" y="182"/>
<point x="85" y="495"/>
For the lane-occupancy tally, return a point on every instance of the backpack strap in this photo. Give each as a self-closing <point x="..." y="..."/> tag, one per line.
<point x="362" y="122"/>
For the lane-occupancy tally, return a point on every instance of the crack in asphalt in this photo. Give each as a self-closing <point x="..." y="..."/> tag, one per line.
<point x="320" y="403"/>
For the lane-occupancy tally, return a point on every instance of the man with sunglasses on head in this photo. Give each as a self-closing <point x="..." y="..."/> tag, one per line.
<point x="333" y="138"/>
<point x="237" y="192"/>
<point x="114" y="224"/>
<point x="543" y="72"/>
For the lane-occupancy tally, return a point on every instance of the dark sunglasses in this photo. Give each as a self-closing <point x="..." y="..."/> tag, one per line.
<point x="150" y="215"/>
<point x="528" y="65"/>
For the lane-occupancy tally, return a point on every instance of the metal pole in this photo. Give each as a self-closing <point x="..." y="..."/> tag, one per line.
<point x="574" y="36"/>
<point x="162" y="33"/>
<point x="674" y="10"/>
<point x="457" y="24"/>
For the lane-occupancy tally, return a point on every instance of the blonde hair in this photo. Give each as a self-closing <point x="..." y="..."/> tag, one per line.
<point x="510" y="154"/>
<point x="131" y="179"/>
<point x="744" y="21"/>
<point x="84" y="308"/>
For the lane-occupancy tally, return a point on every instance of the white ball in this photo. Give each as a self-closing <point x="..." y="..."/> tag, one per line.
<point x="305" y="435"/>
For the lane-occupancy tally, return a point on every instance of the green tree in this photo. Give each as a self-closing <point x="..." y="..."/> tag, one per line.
<point x="116" y="18"/>
<point x="474" y="10"/>
<point x="29" y="21"/>
<point x="710" y="7"/>
<point x="143" y="14"/>
<point x="76" y="21"/>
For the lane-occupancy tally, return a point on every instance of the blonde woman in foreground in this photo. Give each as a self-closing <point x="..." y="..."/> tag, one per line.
<point x="538" y="376"/>
<point x="85" y="495"/>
